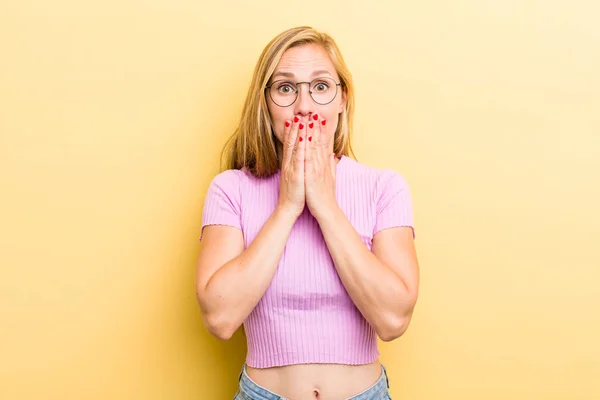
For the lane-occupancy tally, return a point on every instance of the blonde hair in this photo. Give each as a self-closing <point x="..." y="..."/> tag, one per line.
<point x="253" y="144"/>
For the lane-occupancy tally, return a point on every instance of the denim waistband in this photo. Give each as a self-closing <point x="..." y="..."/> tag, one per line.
<point x="250" y="390"/>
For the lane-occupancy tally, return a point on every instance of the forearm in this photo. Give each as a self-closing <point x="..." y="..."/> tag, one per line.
<point x="236" y="288"/>
<point x="381" y="295"/>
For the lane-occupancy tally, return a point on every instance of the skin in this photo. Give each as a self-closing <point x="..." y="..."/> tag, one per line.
<point x="383" y="282"/>
<point x="305" y="161"/>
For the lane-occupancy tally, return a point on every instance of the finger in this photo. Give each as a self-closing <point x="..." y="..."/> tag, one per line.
<point x="310" y="145"/>
<point x="286" y="141"/>
<point x="300" y="148"/>
<point x="290" y="141"/>
<point x="319" y="139"/>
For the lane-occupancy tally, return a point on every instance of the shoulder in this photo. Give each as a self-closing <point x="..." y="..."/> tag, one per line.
<point x="379" y="179"/>
<point x="388" y="192"/>
<point x="229" y="176"/>
<point x="225" y="187"/>
<point x="391" y="180"/>
<point x="231" y="179"/>
<point x="237" y="184"/>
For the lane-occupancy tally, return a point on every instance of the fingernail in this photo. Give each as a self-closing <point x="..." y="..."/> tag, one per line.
<point x="323" y="122"/>
<point x="310" y="138"/>
<point x="296" y="119"/>
<point x="301" y="138"/>
<point x="311" y="125"/>
<point x="301" y="126"/>
<point x="287" y="124"/>
<point x="316" y="117"/>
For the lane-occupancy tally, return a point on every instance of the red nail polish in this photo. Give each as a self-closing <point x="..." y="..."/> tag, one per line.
<point x="323" y="122"/>
<point x="296" y="119"/>
<point x="301" y="138"/>
<point x="311" y="125"/>
<point x="316" y="117"/>
<point x="287" y="124"/>
<point x="301" y="126"/>
<point x="310" y="138"/>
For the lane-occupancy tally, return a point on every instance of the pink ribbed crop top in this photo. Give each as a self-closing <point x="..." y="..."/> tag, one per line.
<point x="306" y="315"/>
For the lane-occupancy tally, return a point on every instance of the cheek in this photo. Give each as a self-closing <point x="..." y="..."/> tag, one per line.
<point x="278" y="133"/>
<point x="278" y="127"/>
<point x="277" y="124"/>
<point x="331" y="123"/>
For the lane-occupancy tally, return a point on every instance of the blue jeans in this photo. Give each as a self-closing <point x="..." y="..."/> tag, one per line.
<point x="250" y="390"/>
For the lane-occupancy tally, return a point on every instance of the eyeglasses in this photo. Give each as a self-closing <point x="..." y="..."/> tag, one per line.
<point x="284" y="93"/>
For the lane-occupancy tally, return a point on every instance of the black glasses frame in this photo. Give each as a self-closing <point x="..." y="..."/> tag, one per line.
<point x="268" y="87"/>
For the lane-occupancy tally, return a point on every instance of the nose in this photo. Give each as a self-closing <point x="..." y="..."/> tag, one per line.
<point x="304" y="104"/>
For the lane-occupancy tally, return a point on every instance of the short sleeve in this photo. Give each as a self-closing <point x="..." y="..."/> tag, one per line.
<point x="394" y="202"/>
<point x="222" y="202"/>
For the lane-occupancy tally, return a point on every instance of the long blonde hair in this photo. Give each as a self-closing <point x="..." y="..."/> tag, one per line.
<point x="253" y="144"/>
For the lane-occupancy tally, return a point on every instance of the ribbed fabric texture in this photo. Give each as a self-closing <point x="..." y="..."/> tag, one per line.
<point x="306" y="315"/>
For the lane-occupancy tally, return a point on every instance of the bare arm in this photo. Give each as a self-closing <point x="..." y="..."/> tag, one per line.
<point x="230" y="281"/>
<point x="383" y="283"/>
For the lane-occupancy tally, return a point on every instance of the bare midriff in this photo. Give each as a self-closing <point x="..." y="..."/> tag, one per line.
<point x="317" y="381"/>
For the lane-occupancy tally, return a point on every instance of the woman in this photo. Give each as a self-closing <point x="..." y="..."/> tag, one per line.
<point x="310" y="250"/>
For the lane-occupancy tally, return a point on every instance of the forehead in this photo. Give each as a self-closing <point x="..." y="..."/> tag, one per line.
<point x="303" y="60"/>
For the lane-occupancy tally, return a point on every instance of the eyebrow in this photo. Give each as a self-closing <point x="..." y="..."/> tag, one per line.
<point x="291" y="75"/>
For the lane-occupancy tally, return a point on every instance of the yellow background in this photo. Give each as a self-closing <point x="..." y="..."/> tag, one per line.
<point x="112" y="117"/>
